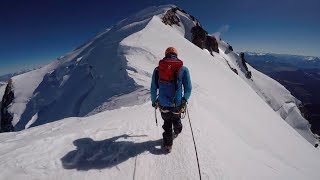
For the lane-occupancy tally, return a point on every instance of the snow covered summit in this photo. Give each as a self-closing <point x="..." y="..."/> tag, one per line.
<point x="81" y="82"/>
<point x="238" y="135"/>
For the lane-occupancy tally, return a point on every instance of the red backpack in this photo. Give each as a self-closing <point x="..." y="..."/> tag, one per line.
<point x="169" y="69"/>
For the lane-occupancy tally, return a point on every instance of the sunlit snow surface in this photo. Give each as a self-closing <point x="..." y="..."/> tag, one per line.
<point x="238" y="135"/>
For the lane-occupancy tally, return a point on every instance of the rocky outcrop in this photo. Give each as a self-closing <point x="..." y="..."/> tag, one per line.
<point x="170" y="18"/>
<point x="201" y="39"/>
<point x="244" y="64"/>
<point x="212" y="44"/>
<point x="304" y="111"/>
<point x="6" y="117"/>
<point x="199" y="36"/>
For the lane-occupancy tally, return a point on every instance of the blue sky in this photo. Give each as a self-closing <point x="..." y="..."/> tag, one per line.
<point x="35" y="32"/>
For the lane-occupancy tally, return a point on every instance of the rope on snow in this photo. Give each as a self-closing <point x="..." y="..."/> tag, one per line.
<point x="194" y="142"/>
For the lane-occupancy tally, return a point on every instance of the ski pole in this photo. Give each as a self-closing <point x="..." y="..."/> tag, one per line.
<point x="155" y="109"/>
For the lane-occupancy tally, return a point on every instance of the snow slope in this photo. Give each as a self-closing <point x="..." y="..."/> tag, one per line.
<point x="82" y="82"/>
<point x="238" y="135"/>
<point x="96" y="148"/>
<point x="273" y="93"/>
<point x="104" y="78"/>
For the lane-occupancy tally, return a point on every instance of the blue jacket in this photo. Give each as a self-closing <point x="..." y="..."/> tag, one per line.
<point x="166" y="92"/>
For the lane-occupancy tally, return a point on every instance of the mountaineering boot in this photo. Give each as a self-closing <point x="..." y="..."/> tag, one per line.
<point x="168" y="148"/>
<point x="175" y="135"/>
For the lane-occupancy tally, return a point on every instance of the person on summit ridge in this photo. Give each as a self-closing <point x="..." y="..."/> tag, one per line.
<point x="172" y="80"/>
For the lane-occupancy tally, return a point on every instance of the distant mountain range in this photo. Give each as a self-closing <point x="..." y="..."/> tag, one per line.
<point x="6" y="77"/>
<point x="2" y="84"/>
<point x="280" y="62"/>
<point x="299" y="74"/>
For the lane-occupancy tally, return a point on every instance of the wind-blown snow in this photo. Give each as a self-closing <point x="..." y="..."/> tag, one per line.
<point x="238" y="135"/>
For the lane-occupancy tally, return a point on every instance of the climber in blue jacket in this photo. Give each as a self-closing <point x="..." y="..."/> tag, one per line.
<point x="172" y="80"/>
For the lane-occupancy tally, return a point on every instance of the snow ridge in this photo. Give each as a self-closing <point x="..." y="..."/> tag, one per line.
<point x="97" y="70"/>
<point x="237" y="134"/>
<point x="273" y="93"/>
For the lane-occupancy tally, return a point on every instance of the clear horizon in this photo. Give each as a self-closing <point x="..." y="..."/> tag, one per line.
<point x="38" y="32"/>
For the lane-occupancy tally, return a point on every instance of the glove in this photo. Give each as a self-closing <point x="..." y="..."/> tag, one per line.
<point x="155" y="104"/>
<point x="183" y="105"/>
<point x="184" y="102"/>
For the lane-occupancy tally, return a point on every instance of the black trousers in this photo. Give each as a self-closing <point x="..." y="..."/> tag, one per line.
<point x="170" y="120"/>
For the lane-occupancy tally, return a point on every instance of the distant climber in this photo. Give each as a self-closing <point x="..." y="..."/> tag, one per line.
<point x="248" y="73"/>
<point x="172" y="80"/>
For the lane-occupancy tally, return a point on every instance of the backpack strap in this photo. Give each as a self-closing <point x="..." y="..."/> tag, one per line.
<point x="175" y="78"/>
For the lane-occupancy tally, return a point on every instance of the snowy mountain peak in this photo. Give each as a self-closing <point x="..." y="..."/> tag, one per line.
<point x="81" y="81"/>
<point x="98" y="96"/>
<point x="285" y="56"/>
<point x="97" y="70"/>
<point x="101" y="74"/>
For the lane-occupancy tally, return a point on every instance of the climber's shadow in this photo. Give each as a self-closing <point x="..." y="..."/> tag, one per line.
<point x="107" y="153"/>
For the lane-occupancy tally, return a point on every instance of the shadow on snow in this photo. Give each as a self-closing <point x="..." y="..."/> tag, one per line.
<point x="107" y="153"/>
